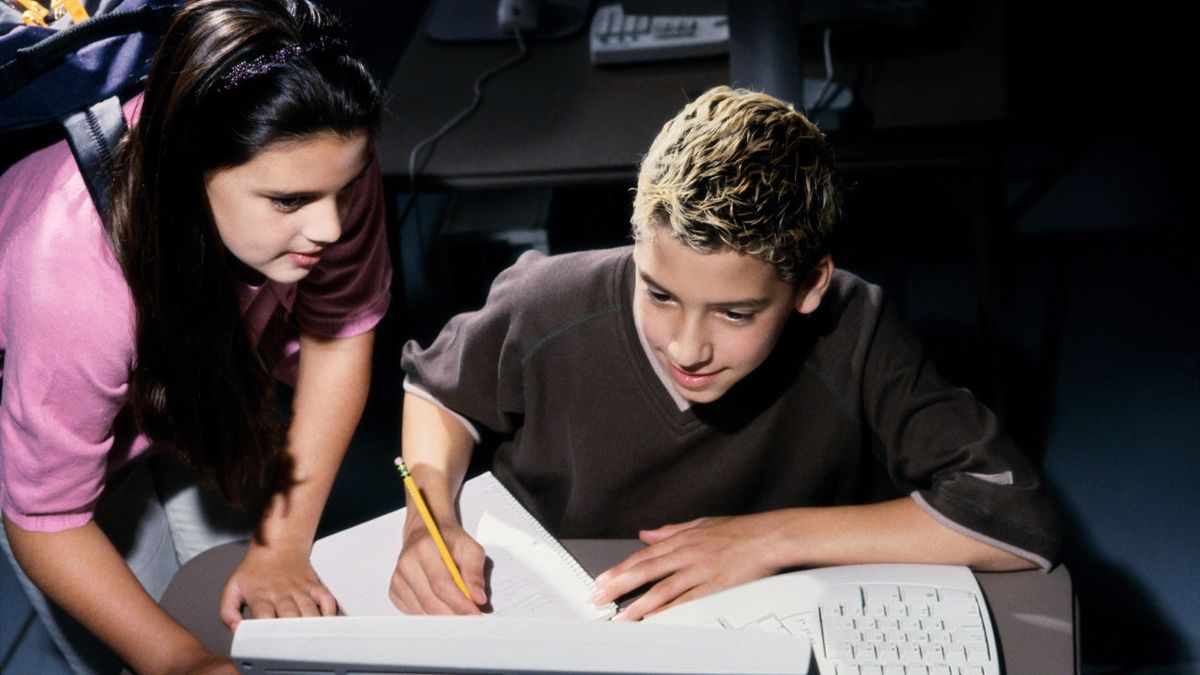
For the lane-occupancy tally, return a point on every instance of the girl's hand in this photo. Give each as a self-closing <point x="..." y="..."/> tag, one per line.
<point x="421" y="584"/>
<point x="689" y="560"/>
<point x="275" y="581"/>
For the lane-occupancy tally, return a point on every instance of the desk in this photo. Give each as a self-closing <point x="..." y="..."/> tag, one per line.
<point x="555" y="119"/>
<point x="550" y="119"/>
<point x="1033" y="611"/>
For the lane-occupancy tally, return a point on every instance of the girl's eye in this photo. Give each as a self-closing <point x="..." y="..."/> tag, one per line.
<point x="288" y="204"/>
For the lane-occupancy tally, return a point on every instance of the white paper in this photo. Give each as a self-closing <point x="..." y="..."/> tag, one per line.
<point x="531" y="574"/>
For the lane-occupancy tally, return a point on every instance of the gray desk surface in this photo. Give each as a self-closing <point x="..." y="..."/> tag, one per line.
<point x="555" y="119"/>
<point x="1033" y="611"/>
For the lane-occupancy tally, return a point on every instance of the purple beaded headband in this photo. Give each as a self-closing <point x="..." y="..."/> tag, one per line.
<point x="245" y="70"/>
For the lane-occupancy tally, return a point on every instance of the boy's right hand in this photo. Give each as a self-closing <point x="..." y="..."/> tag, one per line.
<point x="421" y="584"/>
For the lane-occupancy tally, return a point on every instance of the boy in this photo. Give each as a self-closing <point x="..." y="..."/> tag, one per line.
<point x="718" y="376"/>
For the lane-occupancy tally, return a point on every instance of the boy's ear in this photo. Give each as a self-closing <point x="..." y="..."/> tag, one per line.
<point x="810" y="293"/>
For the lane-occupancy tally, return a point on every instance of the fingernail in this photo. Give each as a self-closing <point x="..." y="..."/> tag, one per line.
<point x="600" y="580"/>
<point x="620" y="616"/>
<point x="597" y="597"/>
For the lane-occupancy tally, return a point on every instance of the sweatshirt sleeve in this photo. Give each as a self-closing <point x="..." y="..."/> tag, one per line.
<point x="475" y="365"/>
<point x="946" y="450"/>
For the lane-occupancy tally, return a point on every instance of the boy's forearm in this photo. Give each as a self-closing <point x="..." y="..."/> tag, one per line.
<point x="896" y="531"/>
<point x="437" y="448"/>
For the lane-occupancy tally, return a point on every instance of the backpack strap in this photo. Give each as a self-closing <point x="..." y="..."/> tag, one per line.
<point x="31" y="61"/>
<point x="93" y="135"/>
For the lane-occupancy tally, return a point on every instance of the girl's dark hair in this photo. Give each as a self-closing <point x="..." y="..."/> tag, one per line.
<point x="231" y="78"/>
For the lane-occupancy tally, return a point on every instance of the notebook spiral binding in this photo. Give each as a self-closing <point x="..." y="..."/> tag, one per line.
<point x="545" y="535"/>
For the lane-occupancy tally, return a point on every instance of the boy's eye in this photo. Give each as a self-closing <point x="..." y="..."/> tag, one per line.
<point x="737" y="317"/>
<point x="658" y="296"/>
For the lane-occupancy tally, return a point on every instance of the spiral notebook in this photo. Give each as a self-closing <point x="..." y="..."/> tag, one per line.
<point x="531" y="574"/>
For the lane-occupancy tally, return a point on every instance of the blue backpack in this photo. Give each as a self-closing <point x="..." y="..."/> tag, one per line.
<point x="71" y="82"/>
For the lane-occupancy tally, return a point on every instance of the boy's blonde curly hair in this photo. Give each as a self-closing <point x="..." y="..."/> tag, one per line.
<point x="742" y="171"/>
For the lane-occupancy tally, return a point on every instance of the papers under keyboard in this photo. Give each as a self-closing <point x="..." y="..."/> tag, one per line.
<point x="864" y="619"/>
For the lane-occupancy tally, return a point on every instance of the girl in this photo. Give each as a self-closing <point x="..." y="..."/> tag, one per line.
<point x="245" y="243"/>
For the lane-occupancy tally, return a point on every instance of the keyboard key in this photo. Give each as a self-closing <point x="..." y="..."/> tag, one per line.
<point x="887" y="652"/>
<point x="924" y="594"/>
<point x="802" y="624"/>
<point x="863" y="652"/>
<point x="955" y="623"/>
<point x="881" y="592"/>
<point x="955" y="655"/>
<point x="955" y="608"/>
<point x="838" y="650"/>
<point x="955" y="594"/>
<point x="969" y="635"/>
<point x="838" y="622"/>
<point x="977" y="652"/>
<point x="933" y="653"/>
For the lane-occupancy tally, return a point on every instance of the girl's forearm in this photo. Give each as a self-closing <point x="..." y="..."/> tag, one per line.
<point x="81" y="571"/>
<point x="331" y="393"/>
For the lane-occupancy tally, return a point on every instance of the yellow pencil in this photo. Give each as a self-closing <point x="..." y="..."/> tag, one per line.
<point x="431" y="525"/>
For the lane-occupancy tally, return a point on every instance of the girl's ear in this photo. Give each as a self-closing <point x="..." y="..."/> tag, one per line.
<point x="809" y="294"/>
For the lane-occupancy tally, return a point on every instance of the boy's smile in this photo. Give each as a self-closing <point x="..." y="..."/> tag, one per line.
<point x="710" y="319"/>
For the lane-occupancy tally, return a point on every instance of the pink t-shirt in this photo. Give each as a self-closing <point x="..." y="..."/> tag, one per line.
<point x="67" y="332"/>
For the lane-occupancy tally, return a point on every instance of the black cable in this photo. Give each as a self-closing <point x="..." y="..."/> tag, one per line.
<point x="465" y="112"/>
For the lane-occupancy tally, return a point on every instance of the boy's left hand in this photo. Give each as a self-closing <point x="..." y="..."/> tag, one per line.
<point x="690" y="560"/>
<point x="275" y="582"/>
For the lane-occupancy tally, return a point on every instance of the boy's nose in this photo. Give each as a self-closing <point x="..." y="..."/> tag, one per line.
<point x="690" y="348"/>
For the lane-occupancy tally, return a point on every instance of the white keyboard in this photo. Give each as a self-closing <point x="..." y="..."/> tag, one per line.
<point x="617" y="37"/>
<point x="864" y="619"/>
<point x="353" y="645"/>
